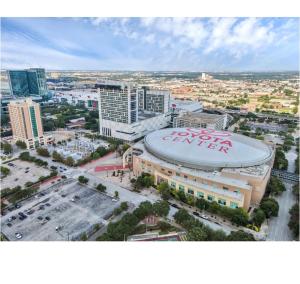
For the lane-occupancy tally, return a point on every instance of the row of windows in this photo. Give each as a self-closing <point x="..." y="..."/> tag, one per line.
<point x="201" y="195"/>
<point x="203" y="181"/>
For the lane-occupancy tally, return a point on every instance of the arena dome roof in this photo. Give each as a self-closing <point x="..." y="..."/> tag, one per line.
<point x="203" y="148"/>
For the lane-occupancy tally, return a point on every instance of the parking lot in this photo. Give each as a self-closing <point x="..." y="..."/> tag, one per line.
<point x="59" y="213"/>
<point x="22" y="172"/>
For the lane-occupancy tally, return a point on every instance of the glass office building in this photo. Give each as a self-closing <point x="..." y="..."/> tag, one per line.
<point x="24" y="83"/>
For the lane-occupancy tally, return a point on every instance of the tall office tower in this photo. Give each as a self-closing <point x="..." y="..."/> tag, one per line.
<point x="26" y="123"/>
<point x="122" y="112"/>
<point x="24" y="83"/>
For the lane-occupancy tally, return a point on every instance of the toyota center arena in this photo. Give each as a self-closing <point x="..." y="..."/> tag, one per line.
<point x="220" y="166"/>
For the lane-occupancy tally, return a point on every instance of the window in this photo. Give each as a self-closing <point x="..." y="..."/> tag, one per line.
<point x="181" y="187"/>
<point x="190" y="191"/>
<point x="225" y="188"/>
<point x="162" y="169"/>
<point x="173" y="184"/>
<point x="210" y="198"/>
<point x="178" y="174"/>
<point x="170" y="172"/>
<point x="200" y="194"/>
<point x="185" y="176"/>
<point x="222" y="201"/>
<point x="237" y="191"/>
<point x="233" y="205"/>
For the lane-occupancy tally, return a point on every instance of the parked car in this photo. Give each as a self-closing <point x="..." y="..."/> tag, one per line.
<point x="9" y="224"/>
<point x="40" y="218"/>
<point x="48" y="204"/>
<point x="47" y="218"/>
<point x="196" y="214"/>
<point x="18" y="235"/>
<point x="204" y="217"/>
<point x="17" y="206"/>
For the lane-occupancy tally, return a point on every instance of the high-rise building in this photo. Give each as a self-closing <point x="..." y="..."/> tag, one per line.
<point x="126" y="113"/>
<point x="24" y="83"/>
<point x="26" y="123"/>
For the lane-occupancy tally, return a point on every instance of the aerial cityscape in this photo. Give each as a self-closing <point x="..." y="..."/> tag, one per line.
<point x="167" y="129"/>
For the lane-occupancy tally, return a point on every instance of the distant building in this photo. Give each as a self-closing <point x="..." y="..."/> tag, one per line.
<point x="24" y="83"/>
<point x="201" y="120"/>
<point x="128" y="112"/>
<point x="87" y="98"/>
<point x="26" y="123"/>
<point x="203" y="76"/>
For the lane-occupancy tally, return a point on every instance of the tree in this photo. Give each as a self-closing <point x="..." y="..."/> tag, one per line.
<point x="218" y="236"/>
<point x="270" y="207"/>
<point x="161" y="208"/>
<point x="239" y="217"/>
<point x="124" y="206"/>
<point x="259" y="217"/>
<point x="21" y="144"/>
<point x="83" y="237"/>
<point x="240" y="236"/>
<point x="7" y="148"/>
<point x="83" y="179"/>
<point x="145" y="209"/>
<point x="197" y="234"/>
<point x="202" y="204"/>
<point x="56" y="156"/>
<point x="43" y="152"/>
<point x="70" y="162"/>
<point x="101" y="187"/>
<point x="5" y="171"/>
<point x="275" y="186"/>
<point x="294" y="220"/>
<point x="181" y="215"/>
<point x="116" y="194"/>
<point x="164" y="190"/>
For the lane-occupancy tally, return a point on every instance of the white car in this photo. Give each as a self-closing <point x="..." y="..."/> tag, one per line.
<point x="18" y="235"/>
<point x="204" y="217"/>
<point x="115" y="200"/>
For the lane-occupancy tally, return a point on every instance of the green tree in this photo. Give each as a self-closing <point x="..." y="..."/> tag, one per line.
<point x="181" y="215"/>
<point x="259" y="217"/>
<point x="116" y="194"/>
<point x="5" y="171"/>
<point x="239" y="217"/>
<point x="240" y="236"/>
<point x="83" y="179"/>
<point x="56" y="156"/>
<point x="294" y="220"/>
<point x="43" y="152"/>
<point x="124" y="206"/>
<point x="101" y="187"/>
<point x="21" y="144"/>
<point x="164" y="190"/>
<point x="83" y="237"/>
<point x="70" y="162"/>
<point x="161" y="208"/>
<point x="7" y="148"/>
<point x="197" y="234"/>
<point x="270" y="207"/>
<point x="145" y="209"/>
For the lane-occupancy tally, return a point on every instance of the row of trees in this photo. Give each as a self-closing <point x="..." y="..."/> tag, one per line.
<point x="25" y="156"/>
<point x="21" y="144"/>
<point x="280" y="162"/>
<point x="275" y="186"/>
<point x="69" y="161"/>
<point x="294" y="214"/>
<point x="123" y="207"/>
<point x="118" y="231"/>
<point x="197" y="231"/>
<point x="237" y="216"/>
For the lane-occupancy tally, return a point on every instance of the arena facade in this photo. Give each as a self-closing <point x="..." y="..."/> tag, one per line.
<point x="220" y="166"/>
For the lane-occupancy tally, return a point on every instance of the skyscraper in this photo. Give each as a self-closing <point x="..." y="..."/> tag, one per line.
<point x="128" y="112"/>
<point x="26" y="123"/>
<point x="24" y="83"/>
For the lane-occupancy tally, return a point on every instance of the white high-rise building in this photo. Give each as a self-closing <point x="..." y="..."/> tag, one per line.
<point x="128" y="112"/>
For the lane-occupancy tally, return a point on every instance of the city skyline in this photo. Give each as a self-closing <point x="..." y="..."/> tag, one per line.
<point x="151" y="44"/>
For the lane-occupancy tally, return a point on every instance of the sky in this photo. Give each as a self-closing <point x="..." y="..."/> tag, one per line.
<point x="151" y="44"/>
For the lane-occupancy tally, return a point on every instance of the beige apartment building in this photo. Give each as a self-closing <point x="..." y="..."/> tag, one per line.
<point x="26" y="123"/>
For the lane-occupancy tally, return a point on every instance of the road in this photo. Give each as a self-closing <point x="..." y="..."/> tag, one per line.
<point x="278" y="226"/>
